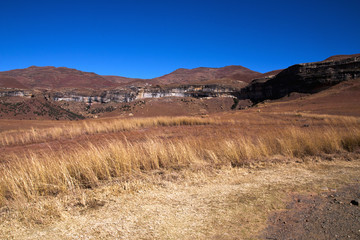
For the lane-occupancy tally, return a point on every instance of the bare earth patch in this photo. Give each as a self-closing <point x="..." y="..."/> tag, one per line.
<point x="226" y="203"/>
<point x="334" y="214"/>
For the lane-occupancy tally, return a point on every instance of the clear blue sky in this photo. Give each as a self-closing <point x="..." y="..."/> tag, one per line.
<point x="149" y="38"/>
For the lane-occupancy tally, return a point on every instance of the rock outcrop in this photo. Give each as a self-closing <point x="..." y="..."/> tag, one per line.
<point x="15" y="93"/>
<point x="132" y="94"/>
<point x="302" y="78"/>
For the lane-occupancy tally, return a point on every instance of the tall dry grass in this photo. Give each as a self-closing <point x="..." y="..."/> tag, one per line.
<point x="34" y="135"/>
<point x="52" y="173"/>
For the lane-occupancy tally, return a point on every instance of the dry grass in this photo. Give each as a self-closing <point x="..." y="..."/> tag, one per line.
<point x="94" y="127"/>
<point x="331" y="119"/>
<point x="52" y="173"/>
<point x="225" y="203"/>
<point x="144" y="186"/>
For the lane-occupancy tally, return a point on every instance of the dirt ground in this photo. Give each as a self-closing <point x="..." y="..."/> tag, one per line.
<point x="333" y="214"/>
<point x="226" y="203"/>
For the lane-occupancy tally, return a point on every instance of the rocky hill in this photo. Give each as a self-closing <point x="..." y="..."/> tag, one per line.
<point x="303" y="78"/>
<point x="34" y="108"/>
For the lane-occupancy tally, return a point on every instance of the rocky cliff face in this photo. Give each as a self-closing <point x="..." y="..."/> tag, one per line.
<point x="15" y="93"/>
<point x="132" y="94"/>
<point x="100" y="97"/>
<point x="187" y="91"/>
<point x="302" y="78"/>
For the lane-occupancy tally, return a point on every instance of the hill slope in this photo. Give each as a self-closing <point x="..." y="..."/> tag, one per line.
<point x="303" y="78"/>
<point x="10" y="82"/>
<point x="340" y="57"/>
<point x="52" y="77"/>
<point x="34" y="108"/>
<point x="62" y="77"/>
<point x="203" y="75"/>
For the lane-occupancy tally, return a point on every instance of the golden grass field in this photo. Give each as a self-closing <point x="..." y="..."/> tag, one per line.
<point x="211" y="177"/>
<point x="50" y="173"/>
<point x="70" y="130"/>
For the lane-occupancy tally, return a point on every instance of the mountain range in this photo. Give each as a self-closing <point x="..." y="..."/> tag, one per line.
<point x="61" y="77"/>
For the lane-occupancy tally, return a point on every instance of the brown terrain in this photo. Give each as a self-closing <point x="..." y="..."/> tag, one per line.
<point x="121" y="81"/>
<point x="312" y="216"/>
<point x="51" y="77"/>
<point x="286" y="167"/>
<point x="62" y="77"/>
<point x="10" y="82"/>
<point x="340" y="57"/>
<point x="231" y="75"/>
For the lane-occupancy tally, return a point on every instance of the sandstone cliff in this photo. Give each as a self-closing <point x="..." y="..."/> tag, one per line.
<point x="302" y="78"/>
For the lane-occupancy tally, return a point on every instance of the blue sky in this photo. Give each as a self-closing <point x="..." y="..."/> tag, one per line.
<point x="151" y="38"/>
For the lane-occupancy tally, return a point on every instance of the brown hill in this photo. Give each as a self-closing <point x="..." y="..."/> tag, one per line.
<point x="303" y="78"/>
<point x="52" y="77"/>
<point x="271" y="73"/>
<point x="203" y="75"/>
<point x="34" y="108"/>
<point x="62" y="77"/>
<point x="10" y="82"/>
<point x="341" y="57"/>
<point x="122" y="80"/>
<point x="341" y="99"/>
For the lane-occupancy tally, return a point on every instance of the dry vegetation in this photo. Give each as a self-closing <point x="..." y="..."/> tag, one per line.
<point x="39" y="187"/>
<point x="224" y="203"/>
<point x="53" y="172"/>
<point x="93" y="127"/>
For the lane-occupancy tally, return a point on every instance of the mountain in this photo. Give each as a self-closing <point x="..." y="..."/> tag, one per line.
<point x="304" y="78"/>
<point x="122" y="80"/>
<point x="62" y="77"/>
<point x="203" y="75"/>
<point x="341" y="57"/>
<point x="10" y="82"/>
<point x="52" y="78"/>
